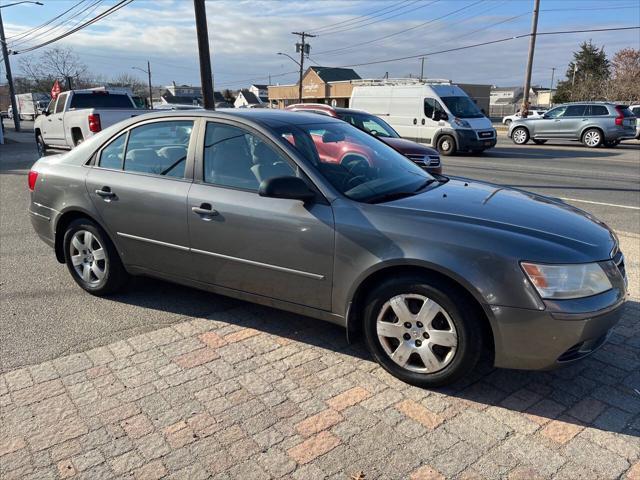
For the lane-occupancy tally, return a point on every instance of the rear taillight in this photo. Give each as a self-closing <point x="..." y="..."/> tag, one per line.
<point x="620" y="117"/>
<point x="94" y="123"/>
<point x="33" y="176"/>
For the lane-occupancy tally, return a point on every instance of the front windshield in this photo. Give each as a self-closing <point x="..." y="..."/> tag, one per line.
<point x="370" y="124"/>
<point x="462" y="107"/>
<point x="357" y="165"/>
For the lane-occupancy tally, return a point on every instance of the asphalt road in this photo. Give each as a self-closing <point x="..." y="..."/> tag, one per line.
<point x="45" y="315"/>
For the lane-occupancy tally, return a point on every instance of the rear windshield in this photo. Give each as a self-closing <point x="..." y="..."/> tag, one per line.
<point x="100" y="100"/>
<point x="625" y="111"/>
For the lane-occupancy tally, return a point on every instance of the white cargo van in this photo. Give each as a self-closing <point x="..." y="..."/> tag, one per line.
<point x="433" y="112"/>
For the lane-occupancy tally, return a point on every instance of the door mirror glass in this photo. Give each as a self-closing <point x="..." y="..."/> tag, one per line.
<point x="292" y="188"/>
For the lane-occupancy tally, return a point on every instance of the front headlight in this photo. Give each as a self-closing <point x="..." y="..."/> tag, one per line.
<point x="567" y="281"/>
<point x="461" y="123"/>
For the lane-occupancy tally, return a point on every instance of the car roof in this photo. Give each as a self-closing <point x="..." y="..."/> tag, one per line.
<point x="264" y="116"/>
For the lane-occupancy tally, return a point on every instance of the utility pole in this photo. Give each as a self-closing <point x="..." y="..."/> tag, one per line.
<point x="303" y="48"/>
<point x="532" y="47"/>
<point x="150" y="89"/>
<point x="7" y="66"/>
<point x="148" y="72"/>
<point x="206" y="77"/>
<point x="553" y="72"/>
<point x="421" y="68"/>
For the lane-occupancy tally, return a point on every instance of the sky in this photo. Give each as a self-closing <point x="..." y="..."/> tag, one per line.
<point x="245" y="37"/>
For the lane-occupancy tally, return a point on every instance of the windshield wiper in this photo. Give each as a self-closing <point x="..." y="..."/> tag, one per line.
<point x="388" y="197"/>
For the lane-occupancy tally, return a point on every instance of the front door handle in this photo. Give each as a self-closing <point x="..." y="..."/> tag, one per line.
<point x="106" y="193"/>
<point x="205" y="209"/>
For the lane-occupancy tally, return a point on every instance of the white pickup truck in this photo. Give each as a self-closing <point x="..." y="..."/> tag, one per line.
<point x="78" y="114"/>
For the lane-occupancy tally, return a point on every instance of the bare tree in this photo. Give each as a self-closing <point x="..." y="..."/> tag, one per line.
<point x="56" y="63"/>
<point x="625" y="67"/>
<point x="124" y="79"/>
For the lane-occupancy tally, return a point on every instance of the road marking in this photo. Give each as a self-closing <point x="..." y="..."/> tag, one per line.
<point x="599" y="203"/>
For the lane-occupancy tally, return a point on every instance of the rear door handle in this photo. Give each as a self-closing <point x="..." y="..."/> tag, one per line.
<point x="205" y="209"/>
<point x="106" y="193"/>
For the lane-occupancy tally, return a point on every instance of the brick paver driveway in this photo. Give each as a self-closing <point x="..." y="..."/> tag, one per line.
<point x="254" y="393"/>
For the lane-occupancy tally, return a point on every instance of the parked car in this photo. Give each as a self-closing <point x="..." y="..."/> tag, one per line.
<point x="421" y="155"/>
<point x="635" y="109"/>
<point x="534" y="113"/>
<point x="592" y="123"/>
<point x="436" y="113"/>
<point x="79" y="114"/>
<point x="432" y="270"/>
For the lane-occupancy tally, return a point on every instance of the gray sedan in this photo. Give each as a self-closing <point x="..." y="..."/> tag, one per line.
<point x="314" y="216"/>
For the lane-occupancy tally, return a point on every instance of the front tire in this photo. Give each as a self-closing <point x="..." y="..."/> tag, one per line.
<point x="92" y="259"/>
<point x="592" y="138"/>
<point x="422" y="330"/>
<point x="520" y="135"/>
<point x="446" y="145"/>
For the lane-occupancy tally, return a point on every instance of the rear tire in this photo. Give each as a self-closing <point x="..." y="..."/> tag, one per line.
<point x="539" y="142"/>
<point x="446" y="145"/>
<point x="41" y="146"/>
<point x="77" y="139"/>
<point x="92" y="258"/>
<point x="592" y="138"/>
<point x="433" y="352"/>
<point x="520" y="135"/>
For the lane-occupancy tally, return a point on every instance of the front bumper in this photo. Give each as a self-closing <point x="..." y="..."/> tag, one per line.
<point x="468" y="140"/>
<point x="544" y="339"/>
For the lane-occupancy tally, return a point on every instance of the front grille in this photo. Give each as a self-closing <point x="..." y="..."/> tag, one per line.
<point x="424" y="160"/>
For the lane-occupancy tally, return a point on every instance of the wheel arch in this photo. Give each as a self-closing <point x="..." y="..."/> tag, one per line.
<point x="76" y="133"/>
<point x="63" y="221"/>
<point x="592" y="127"/>
<point x="373" y="279"/>
<point x="445" y="131"/>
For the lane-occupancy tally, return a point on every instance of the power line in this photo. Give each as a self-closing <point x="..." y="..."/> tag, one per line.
<point x="355" y="19"/>
<point x="109" y="11"/>
<point x="86" y="11"/>
<point x="384" y="19"/>
<point x="35" y="29"/>
<point x="401" y="31"/>
<point x="491" y="42"/>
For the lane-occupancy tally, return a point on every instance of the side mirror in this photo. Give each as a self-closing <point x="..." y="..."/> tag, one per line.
<point x="441" y="116"/>
<point x="545" y="116"/>
<point x="292" y="188"/>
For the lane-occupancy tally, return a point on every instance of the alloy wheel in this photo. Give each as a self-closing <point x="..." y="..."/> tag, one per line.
<point x="592" y="138"/>
<point x="520" y="136"/>
<point x="417" y="333"/>
<point x="88" y="257"/>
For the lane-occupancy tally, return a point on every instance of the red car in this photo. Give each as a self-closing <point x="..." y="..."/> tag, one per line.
<point x="426" y="157"/>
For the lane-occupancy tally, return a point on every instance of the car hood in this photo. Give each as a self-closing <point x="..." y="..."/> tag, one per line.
<point x="520" y="213"/>
<point x="407" y="146"/>
<point x="482" y="123"/>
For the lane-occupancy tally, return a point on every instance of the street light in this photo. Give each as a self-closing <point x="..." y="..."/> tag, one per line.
<point x="23" y="1"/>
<point x="148" y="72"/>
<point x="292" y="59"/>
<point x="7" y="65"/>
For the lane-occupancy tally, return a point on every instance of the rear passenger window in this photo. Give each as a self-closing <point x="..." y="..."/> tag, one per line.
<point x="598" y="110"/>
<point x="236" y="158"/>
<point x="575" y="111"/>
<point x="159" y="148"/>
<point x="113" y="154"/>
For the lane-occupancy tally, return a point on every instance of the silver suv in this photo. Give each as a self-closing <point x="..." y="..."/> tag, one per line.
<point x="592" y="123"/>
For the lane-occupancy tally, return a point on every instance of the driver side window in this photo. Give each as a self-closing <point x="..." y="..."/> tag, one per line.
<point x="432" y="106"/>
<point x="556" y="112"/>
<point x="236" y="158"/>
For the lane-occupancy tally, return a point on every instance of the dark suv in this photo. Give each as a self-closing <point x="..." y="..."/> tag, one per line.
<point x="425" y="157"/>
<point x="592" y="123"/>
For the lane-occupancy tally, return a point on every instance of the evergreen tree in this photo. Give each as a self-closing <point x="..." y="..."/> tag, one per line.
<point x="591" y="70"/>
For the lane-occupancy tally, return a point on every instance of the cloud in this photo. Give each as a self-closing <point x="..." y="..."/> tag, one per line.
<point x="246" y="35"/>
